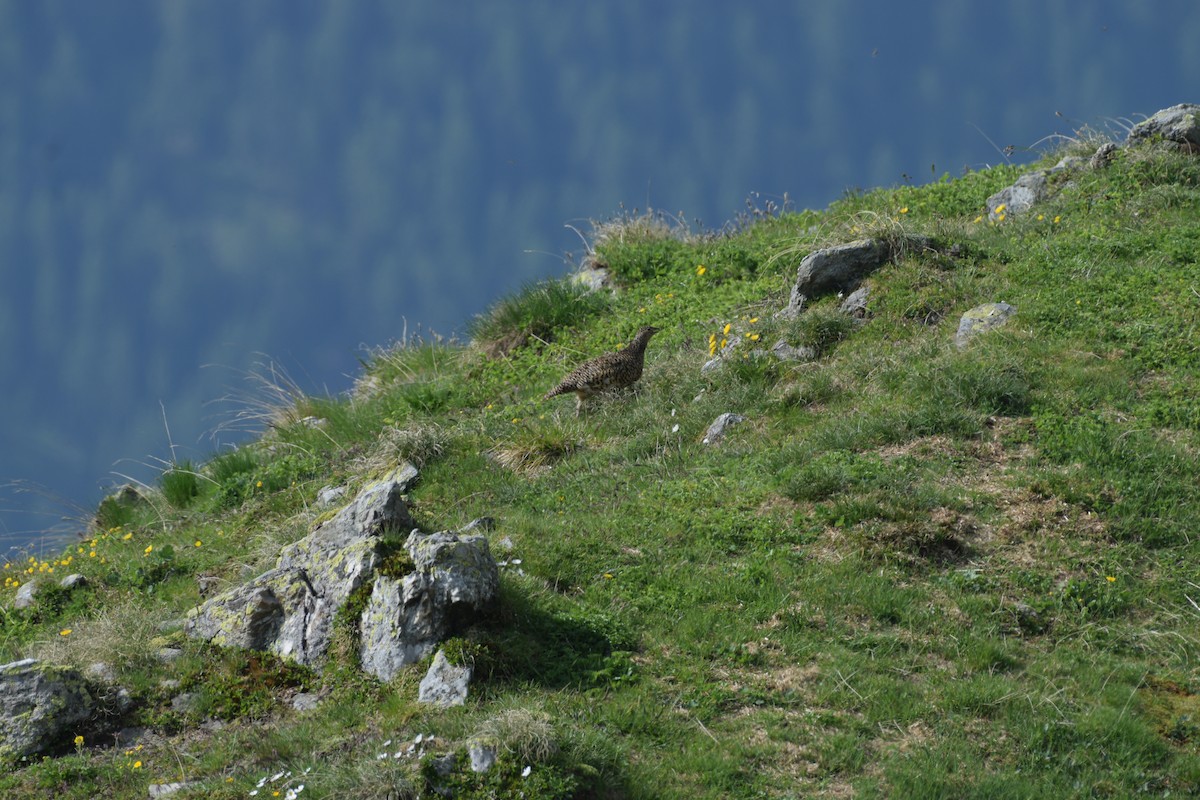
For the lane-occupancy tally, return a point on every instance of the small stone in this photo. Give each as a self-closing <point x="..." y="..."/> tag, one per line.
<point x="73" y="581"/>
<point x="169" y="655"/>
<point x="486" y="524"/>
<point x="1103" y="155"/>
<point x="185" y="702"/>
<point x="26" y="595"/>
<point x="482" y="754"/>
<point x="980" y="319"/>
<point x="445" y="684"/>
<point x="305" y="701"/>
<point x="1030" y="188"/>
<point x="785" y="352"/>
<point x="100" y="672"/>
<point x="157" y="790"/>
<point x="856" y="304"/>
<point x="443" y="765"/>
<point x="329" y="495"/>
<point x="716" y="431"/>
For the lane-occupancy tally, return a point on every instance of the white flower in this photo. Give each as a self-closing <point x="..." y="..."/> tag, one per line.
<point x="525" y="772"/>
<point x="675" y="429"/>
<point x="260" y="783"/>
<point x="276" y="776"/>
<point x="388" y="742"/>
<point x="253" y="792"/>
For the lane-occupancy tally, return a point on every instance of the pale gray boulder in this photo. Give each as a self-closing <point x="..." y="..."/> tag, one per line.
<point x="716" y="431"/>
<point x="1030" y="189"/>
<point x="454" y="577"/>
<point x="26" y="595"/>
<point x="40" y="707"/>
<point x="290" y="610"/>
<point x="1179" y="125"/>
<point x="445" y="684"/>
<point x="982" y="318"/>
<point x="835" y="269"/>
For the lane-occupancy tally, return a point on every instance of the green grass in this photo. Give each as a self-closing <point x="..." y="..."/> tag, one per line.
<point x="914" y="571"/>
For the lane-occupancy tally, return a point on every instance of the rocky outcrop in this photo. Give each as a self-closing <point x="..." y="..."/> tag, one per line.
<point x="290" y="609"/>
<point x="454" y="578"/>
<point x="41" y="706"/>
<point x="420" y="591"/>
<point x="1178" y="125"/>
<point x="982" y="318"/>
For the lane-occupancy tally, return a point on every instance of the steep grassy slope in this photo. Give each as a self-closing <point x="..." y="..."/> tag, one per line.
<point x="914" y="571"/>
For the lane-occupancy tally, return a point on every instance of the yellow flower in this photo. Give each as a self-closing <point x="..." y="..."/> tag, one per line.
<point x="149" y="547"/>
<point x="65" y="632"/>
<point x="1056" y="219"/>
<point x="137" y="765"/>
<point x="701" y="269"/>
<point x="79" y="741"/>
<point x="1001" y="207"/>
<point x="1041" y="217"/>
<point x="258" y="485"/>
<point x="1111" y="579"/>
<point x="127" y="537"/>
<point x="753" y="320"/>
<point x="979" y="219"/>
<point x="92" y="554"/>
<point x="999" y="218"/>
<point x="199" y="543"/>
<point x="754" y="337"/>
<point x="608" y="575"/>
<point x="726" y="329"/>
<point x="723" y="343"/>
<point x="904" y="210"/>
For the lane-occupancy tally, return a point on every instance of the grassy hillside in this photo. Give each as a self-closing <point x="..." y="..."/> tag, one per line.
<point x="914" y="571"/>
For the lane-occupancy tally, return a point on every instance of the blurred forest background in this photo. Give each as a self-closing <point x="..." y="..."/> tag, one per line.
<point x="186" y="183"/>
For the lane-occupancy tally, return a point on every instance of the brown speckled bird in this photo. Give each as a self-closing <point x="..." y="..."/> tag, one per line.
<point x="607" y="372"/>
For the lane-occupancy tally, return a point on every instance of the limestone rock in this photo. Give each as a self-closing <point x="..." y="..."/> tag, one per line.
<point x="716" y="431"/>
<point x="328" y="496"/>
<point x="454" y="576"/>
<point x="786" y="352"/>
<point x="73" y="581"/>
<point x="445" y="684"/>
<point x="856" y="304"/>
<point x="26" y="595"/>
<point x="40" y="706"/>
<point x="835" y="269"/>
<point x="1103" y="155"/>
<point x="982" y="318"/>
<point x="306" y="701"/>
<point x="289" y="610"/>
<point x="157" y="790"/>
<point x="483" y="753"/>
<point x="1178" y="124"/>
<point x="1029" y="189"/>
